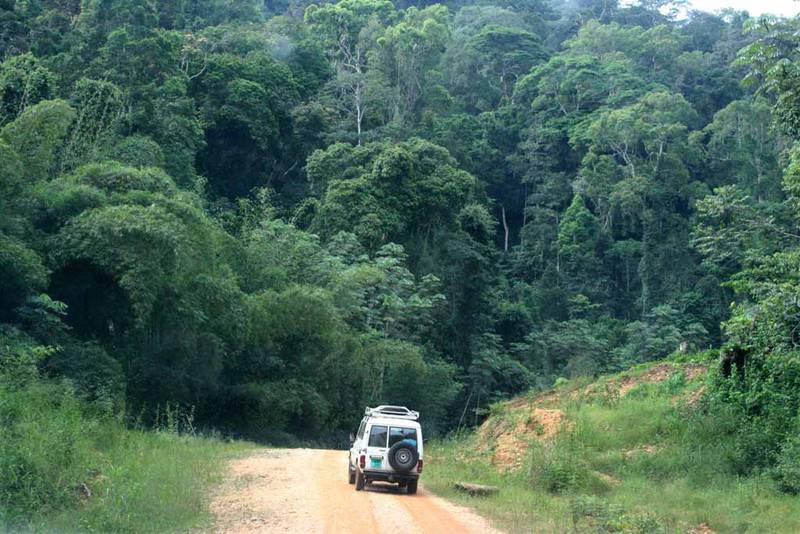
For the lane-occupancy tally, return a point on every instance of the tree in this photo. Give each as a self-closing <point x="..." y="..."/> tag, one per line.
<point x="37" y="136"/>
<point x="99" y="112"/>
<point x="275" y="219"/>
<point x="482" y="68"/>
<point x="742" y="143"/>
<point x="346" y="29"/>
<point x="771" y="60"/>
<point x="24" y="81"/>
<point x="579" y="243"/>
<point x="390" y="193"/>
<point x="408" y="51"/>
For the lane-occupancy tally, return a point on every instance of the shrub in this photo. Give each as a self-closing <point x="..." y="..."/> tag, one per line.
<point x="585" y="507"/>
<point x="636" y="523"/>
<point x="766" y="402"/>
<point x="560" y="474"/>
<point x="589" y="513"/>
<point x="97" y="376"/>
<point x="560" y="468"/>
<point x="787" y="469"/>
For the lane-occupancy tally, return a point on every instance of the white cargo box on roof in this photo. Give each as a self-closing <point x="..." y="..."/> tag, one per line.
<point x="394" y="412"/>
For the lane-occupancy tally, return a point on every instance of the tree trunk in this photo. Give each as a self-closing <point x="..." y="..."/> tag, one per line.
<point x="505" y="230"/>
<point x="359" y="110"/>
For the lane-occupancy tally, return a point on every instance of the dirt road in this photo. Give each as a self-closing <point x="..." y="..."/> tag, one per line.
<point x="305" y="490"/>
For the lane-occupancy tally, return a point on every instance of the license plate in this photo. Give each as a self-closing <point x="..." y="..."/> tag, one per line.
<point x="376" y="462"/>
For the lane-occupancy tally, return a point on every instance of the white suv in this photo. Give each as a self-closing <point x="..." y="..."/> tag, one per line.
<point x="387" y="447"/>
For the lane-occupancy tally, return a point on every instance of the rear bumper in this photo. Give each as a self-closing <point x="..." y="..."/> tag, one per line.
<point x="389" y="476"/>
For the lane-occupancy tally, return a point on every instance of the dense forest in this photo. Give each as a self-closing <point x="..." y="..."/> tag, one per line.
<point x="272" y="214"/>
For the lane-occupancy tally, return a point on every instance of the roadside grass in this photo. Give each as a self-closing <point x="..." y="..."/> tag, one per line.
<point x="65" y="468"/>
<point x="150" y="482"/>
<point x="644" y="462"/>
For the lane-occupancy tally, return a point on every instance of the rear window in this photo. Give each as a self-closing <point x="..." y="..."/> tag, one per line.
<point x="399" y="434"/>
<point x="377" y="436"/>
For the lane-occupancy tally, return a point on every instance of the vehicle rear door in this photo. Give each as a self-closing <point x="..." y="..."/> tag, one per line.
<point x="408" y="434"/>
<point x="377" y="441"/>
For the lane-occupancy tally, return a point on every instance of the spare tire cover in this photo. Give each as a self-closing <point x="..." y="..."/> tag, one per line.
<point x="403" y="456"/>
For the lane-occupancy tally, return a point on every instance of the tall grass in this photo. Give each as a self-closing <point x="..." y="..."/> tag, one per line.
<point x="65" y="468"/>
<point x="150" y="482"/>
<point x="641" y="463"/>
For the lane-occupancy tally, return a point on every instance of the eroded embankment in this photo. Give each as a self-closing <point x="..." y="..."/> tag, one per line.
<point x="506" y="435"/>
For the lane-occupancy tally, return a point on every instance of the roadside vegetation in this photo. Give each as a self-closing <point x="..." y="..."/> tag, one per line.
<point x="67" y="467"/>
<point x="642" y="451"/>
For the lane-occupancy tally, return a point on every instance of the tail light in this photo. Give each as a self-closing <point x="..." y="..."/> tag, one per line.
<point x="362" y="461"/>
<point x="419" y="466"/>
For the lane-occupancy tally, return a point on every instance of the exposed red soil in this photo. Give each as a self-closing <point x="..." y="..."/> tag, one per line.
<point x="511" y="437"/>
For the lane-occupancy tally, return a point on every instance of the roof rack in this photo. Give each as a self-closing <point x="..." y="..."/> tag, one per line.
<point x="398" y="412"/>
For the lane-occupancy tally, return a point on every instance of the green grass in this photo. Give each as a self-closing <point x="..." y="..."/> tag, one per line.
<point x="53" y="448"/>
<point x="150" y="482"/>
<point x="643" y="462"/>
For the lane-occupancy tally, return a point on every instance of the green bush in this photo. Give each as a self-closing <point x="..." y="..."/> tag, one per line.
<point x="636" y="523"/>
<point x="787" y="469"/>
<point x="561" y="468"/>
<point x="559" y="474"/>
<point x="590" y="514"/>
<point x="765" y="403"/>
<point x="588" y="507"/>
<point x="97" y="376"/>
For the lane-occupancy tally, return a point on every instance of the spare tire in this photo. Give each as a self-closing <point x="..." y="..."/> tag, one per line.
<point x="403" y="456"/>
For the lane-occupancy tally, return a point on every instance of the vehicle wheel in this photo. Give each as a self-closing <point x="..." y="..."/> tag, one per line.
<point x="403" y="457"/>
<point x="360" y="481"/>
<point x="411" y="488"/>
<point x="351" y="475"/>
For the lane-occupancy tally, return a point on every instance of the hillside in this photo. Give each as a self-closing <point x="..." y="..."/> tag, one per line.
<point x="629" y="452"/>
